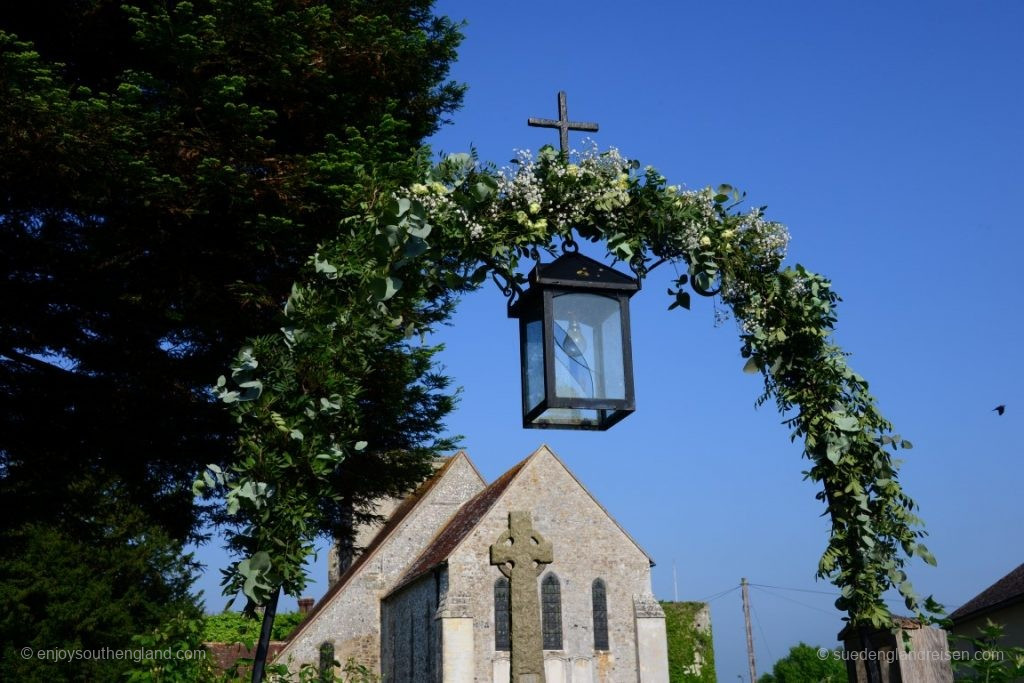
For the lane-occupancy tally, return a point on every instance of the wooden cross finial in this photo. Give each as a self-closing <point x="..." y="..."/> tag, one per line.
<point x="563" y="124"/>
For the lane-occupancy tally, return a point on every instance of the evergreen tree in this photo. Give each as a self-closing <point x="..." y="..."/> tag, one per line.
<point x="168" y="169"/>
<point x="88" y="585"/>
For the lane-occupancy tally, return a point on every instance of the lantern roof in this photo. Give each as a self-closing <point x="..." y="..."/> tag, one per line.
<point x="576" y="270"/>
<point x="573" y="270"/>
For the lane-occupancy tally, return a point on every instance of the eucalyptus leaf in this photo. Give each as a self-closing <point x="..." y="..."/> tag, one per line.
<point x="848" y="423"/>
<point x="415" y="247"/>
<point x="385" y="287"/>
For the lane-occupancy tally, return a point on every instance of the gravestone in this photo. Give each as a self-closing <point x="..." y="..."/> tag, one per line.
<point x="520" y="554"/>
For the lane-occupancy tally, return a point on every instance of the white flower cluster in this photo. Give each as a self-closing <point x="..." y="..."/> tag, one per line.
<point x="690" y="239"/>
<point x="770" y="238"/>
<point x="521" y="183"/>
<point x="592" y="183"/>
<point x="436" y="200"/>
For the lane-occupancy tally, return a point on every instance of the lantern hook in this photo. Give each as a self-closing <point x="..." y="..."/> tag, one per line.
<point x="706" y="292"/>
<point x="509" y="288"/>
<point x="569" y="245"/>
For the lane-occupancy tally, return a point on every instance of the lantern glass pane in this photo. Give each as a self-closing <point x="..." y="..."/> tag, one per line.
<point x="533" y="363"/>
<point x="570" y="417"/>
<point x="588" y="347"/>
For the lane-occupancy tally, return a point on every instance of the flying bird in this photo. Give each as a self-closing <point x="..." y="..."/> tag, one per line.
<point x="1000" y="409"/>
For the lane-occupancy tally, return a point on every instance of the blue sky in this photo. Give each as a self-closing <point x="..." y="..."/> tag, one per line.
<point x="889" y="138"/>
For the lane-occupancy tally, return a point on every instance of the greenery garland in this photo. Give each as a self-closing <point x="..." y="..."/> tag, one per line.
<point x="397" y="268"/>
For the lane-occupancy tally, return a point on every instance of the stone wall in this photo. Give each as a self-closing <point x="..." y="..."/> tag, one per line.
<point x="340" y="556"/>
<point x="587" y="545"/>
<point x="410" y="633"/>
<point x="350" y="615"/>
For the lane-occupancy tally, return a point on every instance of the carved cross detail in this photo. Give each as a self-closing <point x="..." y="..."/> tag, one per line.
<point x="521" y="553"/>
<point x="563" y="124"/>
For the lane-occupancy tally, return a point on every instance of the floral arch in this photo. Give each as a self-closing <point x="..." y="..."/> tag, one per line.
<point x="466" y="222"/>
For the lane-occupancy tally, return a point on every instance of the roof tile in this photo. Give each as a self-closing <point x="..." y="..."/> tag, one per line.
<point x="1006" y="590"/>
<point x="464" y="521"/>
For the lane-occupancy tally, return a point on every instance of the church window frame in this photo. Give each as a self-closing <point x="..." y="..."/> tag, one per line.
<point x="502" y="615"/>
<point x="599" y="605"/>
<point x="551" y="611"/>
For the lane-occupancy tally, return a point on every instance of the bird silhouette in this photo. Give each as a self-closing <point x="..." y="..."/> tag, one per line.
<point x="1000" y="409"/>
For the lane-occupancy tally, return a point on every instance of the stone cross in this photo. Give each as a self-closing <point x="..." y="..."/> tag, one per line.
<point x="521" y="553"/>
<point x="563" y="124"/>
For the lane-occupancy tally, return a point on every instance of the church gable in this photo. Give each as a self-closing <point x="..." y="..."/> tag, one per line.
<point x="558" y="504"/>
<point x="588" y="592"/>
<point x="348" y="616"/>
<point x="594" y="562"/>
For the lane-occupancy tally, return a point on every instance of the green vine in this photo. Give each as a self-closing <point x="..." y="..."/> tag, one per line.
<point x="396" y="268"/>
<point x="691" y="654"/>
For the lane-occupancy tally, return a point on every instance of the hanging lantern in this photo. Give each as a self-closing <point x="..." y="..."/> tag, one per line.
<point x="574" y="344"/>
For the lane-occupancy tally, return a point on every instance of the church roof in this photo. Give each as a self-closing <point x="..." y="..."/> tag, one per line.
<point x="407" y="505"/>
<point x="1004" y="592"/>
<point x="470" y="514"/>
<point x="463" y="522"/>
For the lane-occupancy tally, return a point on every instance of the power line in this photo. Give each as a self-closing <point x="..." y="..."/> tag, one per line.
<point x="799" y="590"/>
<point x="759" y="628"/>
<point x="715" y="596"/>
<point x="783" y="597"/>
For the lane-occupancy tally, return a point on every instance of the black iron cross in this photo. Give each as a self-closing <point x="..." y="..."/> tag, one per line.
<point x="563" y="124"/>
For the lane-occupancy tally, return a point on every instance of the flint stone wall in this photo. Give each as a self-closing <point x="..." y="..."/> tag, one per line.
<point x="410" y="633"/>
<point x="587" y="545"/>
<point x="351" y="617"/>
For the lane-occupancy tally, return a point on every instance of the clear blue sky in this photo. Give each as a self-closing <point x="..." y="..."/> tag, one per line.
<point x="889" y="137"/>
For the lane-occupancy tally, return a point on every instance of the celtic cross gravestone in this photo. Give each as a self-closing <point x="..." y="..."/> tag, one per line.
<point x="520" y="554"/>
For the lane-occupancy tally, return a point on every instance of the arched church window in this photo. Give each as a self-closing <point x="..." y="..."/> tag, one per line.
<point x="551" y="609"/>
<point x="599" y="597"/>
<point x="502" y="615"/>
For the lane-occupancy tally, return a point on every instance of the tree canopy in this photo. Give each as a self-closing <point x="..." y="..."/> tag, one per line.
<point x="804" y="664"/>
<point x="168" y="167"/>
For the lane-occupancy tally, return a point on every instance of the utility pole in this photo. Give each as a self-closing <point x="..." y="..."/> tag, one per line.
<point x="750" y="633"/>
<point x="675" y="584"/>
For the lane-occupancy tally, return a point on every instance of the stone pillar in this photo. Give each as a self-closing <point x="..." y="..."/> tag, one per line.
<point x="651" y="640"/>
<point x="457" y="652"/>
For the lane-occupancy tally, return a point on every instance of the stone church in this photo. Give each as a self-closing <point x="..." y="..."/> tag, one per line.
<point x="423" y="602"/>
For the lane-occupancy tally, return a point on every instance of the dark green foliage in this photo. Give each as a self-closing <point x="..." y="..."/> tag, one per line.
<point x="236" y="627"/>
<point x="189" y="660"/>
<point x="87" y="586"/>
<point x="803" y="664"/>
<point x="688" y="645"/>
<point x="168" y="168"/>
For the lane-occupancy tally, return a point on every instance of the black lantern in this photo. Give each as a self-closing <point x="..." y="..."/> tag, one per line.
<point x="574" y="345"/>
